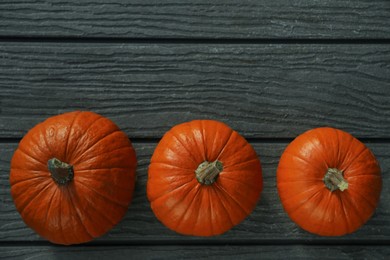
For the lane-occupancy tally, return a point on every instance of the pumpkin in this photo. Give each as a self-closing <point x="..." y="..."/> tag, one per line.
<point x="329" y="182"/>
<point x="204" y="178"/>
<point x="72" y="177"/>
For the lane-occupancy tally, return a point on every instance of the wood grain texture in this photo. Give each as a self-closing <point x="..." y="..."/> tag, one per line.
<point x="196" y="252"/>
<point x="262" y="91"/>
<point x="196" y="19"/>
<point x="267" y="224"/>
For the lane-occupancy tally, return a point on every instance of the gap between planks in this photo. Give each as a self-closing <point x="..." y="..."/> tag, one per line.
<point x="11" y="140"/>
<point x="129" y="40"/>
<point x="208" y="242"/>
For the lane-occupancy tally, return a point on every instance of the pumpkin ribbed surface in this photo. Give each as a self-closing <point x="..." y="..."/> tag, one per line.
<point x="98" y="195"/>
<point x="329" y="182"/>
<point x="193" y="201"/>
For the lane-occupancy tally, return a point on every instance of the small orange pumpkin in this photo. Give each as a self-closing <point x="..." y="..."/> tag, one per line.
<point x="329" y="182"/>
<point x="72" y="177"/>
<point x="204" y="178"/>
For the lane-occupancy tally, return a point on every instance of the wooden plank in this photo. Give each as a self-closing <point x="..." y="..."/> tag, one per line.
<point x="262" y="91"/>
<point x="267" y="224"/>
<point x="197" y="252"/>
<point x="200" y="19"/>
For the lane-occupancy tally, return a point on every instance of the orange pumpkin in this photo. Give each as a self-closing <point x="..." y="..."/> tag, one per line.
<point x="72" y="177"/>
<point x="204" y="178"/>
<point x="329" y="182"/>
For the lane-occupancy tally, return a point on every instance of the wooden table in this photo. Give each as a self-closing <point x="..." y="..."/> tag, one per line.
<point x="269" y="69"/>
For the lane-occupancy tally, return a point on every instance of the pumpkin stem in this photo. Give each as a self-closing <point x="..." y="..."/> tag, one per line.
<point x="61" y="172"/>
<point x="207" y="172"/>
<point x="334" y="180"/>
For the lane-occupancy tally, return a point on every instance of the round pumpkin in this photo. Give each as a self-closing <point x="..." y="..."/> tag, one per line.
<point x="72" y="177"/>
<point x="204" y="178"/>
<point x="328" y="182"/>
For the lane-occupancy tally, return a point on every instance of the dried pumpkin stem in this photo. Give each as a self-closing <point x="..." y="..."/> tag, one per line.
<point x="61" y="172"/>
<point x="208" y="172"/>
<point x="334" y="180"/>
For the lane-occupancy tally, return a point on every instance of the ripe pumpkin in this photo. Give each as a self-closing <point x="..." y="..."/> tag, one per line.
<point x="329" y="182"/>
<point x="72" y="177"/>
<point x="204" y="178"/>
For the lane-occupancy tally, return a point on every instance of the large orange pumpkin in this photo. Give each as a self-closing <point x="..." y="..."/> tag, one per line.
<point x="72" y="177"/>
<point x="329" y="182"/>
<point x="204" y="178"/>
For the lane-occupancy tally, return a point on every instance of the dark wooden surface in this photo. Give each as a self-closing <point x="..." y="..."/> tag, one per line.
<point x="199" y="252"/>
<point x="269" y="69"/>
<point x="197" y="18"/>
<point x="261" y="90"/>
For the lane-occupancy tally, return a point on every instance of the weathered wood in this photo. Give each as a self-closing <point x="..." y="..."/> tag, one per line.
<point x="189" y="19"/>
<point x="267" y="224"/>
<point x="262" y="91"/>
<point x="197" y="252"/>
